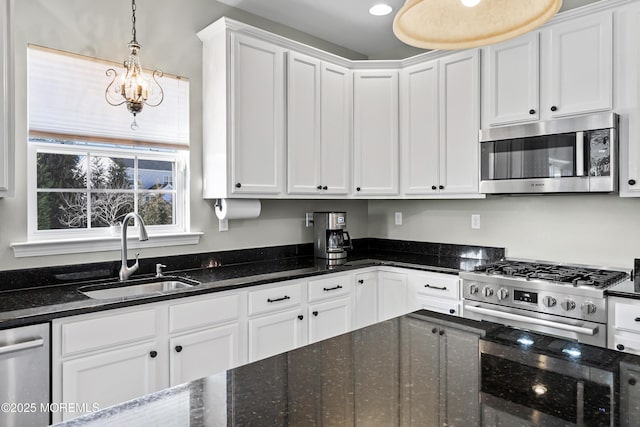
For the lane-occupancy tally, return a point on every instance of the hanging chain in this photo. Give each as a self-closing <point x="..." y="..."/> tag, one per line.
<point x="133" y="19"/>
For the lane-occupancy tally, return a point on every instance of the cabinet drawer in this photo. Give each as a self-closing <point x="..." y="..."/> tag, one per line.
<point x="108" y="331"/>
<point x="275" y="298"/>
<point x="210" y="311"/>
<point x="438" y="305"/>
<point x="434" y="284"/>
<point x="330" y="287"/>
<point x="627" y="316"/>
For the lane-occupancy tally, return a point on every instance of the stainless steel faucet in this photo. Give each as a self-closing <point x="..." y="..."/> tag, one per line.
<point x="125" y="270"/>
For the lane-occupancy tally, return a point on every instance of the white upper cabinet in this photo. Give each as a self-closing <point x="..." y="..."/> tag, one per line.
<point x="561" y="70"/>
<point x="577" y="72"/>
<point x="243" y="115"/>
<point x="6" y="166"/>
<point x="375" y="132"/>
<point x="319" y="112"/>
<point x="510" y="89"/>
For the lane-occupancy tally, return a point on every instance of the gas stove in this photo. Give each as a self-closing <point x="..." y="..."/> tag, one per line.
<point x="560" y="299"/>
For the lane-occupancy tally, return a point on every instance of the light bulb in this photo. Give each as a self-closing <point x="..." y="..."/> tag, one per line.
<point x="381" y="9"/>
<point x="470" y="3"/>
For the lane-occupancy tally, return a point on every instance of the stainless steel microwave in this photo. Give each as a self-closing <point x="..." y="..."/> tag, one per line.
<point x="569" y="155"/>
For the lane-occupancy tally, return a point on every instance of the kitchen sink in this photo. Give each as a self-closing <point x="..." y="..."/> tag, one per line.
<point x="138" y="288"/>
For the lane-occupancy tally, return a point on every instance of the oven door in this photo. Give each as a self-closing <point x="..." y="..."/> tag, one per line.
<point x="563" y="327"/>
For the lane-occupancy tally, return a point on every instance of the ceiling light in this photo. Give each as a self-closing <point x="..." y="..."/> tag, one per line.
<point x="132" y="86"/>
<point x="380" y="9"/>
<point x="470" y="3"/>
<point x="447" y="24"/>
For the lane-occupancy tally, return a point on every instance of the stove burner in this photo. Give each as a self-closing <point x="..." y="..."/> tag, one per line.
<point x="562" y="274"/>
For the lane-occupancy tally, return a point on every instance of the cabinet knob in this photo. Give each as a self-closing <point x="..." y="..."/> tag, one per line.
<point x="153" y="354"/>
<point x="325" y="187"/>
<point x="238" y="185"/>
<point x="441" y="187"/>
<point x="452" y="311"/>
<point x="620" y="347"/>
<point x="554" y="108"/>
<point x="637" y="319"/>
<point x="433" y="187"/>
<point x="632" y="182"/>
<point x="434" y="330"/>
<point x="319" y="187"/>
<point x="315" y="313"/>
<point x="441" y="332"/>
<point x="357" y="188"/>
<point x="632" y="381"/>
<point x="178" y="348"/>
<point x="300" y="317"/>
<point x="532" y="111"/>
<point x="361" y="281"/>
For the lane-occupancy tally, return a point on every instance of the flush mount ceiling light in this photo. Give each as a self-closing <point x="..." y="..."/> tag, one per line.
<point x="132" y="86"/>
<point x="460" y="24"/>
<point x="380" y="9"/>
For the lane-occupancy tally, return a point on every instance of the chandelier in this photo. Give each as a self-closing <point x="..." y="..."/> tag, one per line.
<point x="451" y="24"/>
<point x="132" y="87"/>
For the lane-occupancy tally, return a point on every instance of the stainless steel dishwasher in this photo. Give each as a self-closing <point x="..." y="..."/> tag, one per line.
<point x="24" y="376"/>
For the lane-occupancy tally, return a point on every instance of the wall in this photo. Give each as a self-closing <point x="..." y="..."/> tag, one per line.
<point x="585" y="229"/>
<point x="167" y="31"/>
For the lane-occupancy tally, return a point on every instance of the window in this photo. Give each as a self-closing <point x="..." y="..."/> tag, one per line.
<point x="86" y="167"/>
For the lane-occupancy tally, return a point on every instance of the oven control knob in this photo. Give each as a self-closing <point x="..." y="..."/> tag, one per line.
<point x="588" y="307"/>
<point x="568" y="304"/>
<point x="503" y="294"/>
<point x="487" y="291"/>
<point x="473" y="289"/>
<point x="549" y="301"/>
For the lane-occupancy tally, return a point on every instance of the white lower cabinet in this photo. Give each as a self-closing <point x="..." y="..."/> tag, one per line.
<point x="328" y="319"/>
<point x="623" y="324"/>
<point x="276" y="333"/>
<point x="629" y="393"/>
<point x="437" y="292"/>
<point x="365" y="299"/>
<point x="392" y="295"/>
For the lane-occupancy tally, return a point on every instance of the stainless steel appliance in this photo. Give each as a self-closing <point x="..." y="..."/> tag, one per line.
<point x="578" y="154"/>
<point x="331" y="239"/>
<point x="557" y="299"/>
<point x="24" y="373"/>
<point x="534" y="380"/>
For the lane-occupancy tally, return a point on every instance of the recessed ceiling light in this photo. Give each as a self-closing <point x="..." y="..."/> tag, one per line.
<point x="470" y="3"/>
<point x="380" y="9"/>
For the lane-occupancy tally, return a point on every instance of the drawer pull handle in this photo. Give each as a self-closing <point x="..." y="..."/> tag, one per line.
<point x="279" y="299"/>
<point x="178" y="348"/>
<point x="153" y="354"/>
<point x="444" y="288"/>
<point x="361" y="281"/>
<point x="332" y="289"/>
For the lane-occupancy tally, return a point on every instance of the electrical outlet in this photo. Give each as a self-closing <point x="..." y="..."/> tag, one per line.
<point x="475" y="221"/>
<point x="223" y="225"/>
<point x="398" y="218"/>
<point x="308" y="219"/>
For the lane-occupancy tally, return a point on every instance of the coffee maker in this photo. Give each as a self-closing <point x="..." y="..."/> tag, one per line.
<point x="331" y="240"/>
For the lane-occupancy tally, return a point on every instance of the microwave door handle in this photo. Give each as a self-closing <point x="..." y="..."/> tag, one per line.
<point x="580" y="145"/>
<point x="532" y="320"/>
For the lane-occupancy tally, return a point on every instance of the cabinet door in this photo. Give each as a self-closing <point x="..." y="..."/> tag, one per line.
<point x="366" y="299"/>
<point x="113" y="377"/>
<point x="579" y="65"/>
<point x="420" y="139"/>
<point x="460" y="122"/>
<point x="303" y="124"/>
<point x="510" y="81"/>
<point x="204" y="353"/>
<point x="376" y="132"/>
<point x="5" y="85"/>
<point x="257" y="122"/>
<point x="629" y="394"/>
<point x="392" y="295"/>
<point x="444" y="306"/>
<point x="276" y="333"/>
<point x="328" y="319"/>
<point x="336" y="129"/>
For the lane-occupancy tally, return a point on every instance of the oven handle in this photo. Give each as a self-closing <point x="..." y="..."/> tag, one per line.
<point x="540" y="322"/>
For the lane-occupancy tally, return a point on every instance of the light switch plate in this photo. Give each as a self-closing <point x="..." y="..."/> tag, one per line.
<point x="475" y="221"/>
<point x="398" y="218"/>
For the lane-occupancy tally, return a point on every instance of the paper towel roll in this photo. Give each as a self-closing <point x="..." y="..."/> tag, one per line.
<point x="238" y="208"/>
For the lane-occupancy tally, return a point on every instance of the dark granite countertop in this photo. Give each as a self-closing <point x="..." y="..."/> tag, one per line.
<point x="398" y="372"/>
<point x="37" y="304"/>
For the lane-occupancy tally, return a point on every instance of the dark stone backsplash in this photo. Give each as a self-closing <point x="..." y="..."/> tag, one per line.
<point x="363" y="248"/>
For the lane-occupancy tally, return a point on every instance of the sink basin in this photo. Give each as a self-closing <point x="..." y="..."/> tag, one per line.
<point x="155" y="286"/>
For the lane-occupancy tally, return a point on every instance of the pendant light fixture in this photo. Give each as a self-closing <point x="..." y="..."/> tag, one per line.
<point x="461" y="24"/>
<point x="132" y="86"/>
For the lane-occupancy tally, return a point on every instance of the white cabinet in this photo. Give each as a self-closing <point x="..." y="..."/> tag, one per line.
<point x="243" y="115"/>
<point x="575" y="59"/>
<point x="319" y="110"/>
<point x="6" y="116"/>
<point x="511" y="79"/>
<point x="329" y="318"/>
<point x="365" y="304"/>
<point x="392" y="295"/>
<point x="623" y="324"/>
<point x="440" y="122"/>
<point x="375" y="132"/>
<point x="434" y="291"/>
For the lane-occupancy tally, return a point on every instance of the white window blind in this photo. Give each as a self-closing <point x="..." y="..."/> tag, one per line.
<point x="66" y="101"/>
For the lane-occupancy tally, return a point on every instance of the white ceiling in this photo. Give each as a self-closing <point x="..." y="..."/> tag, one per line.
<point x="346" y="23"/>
